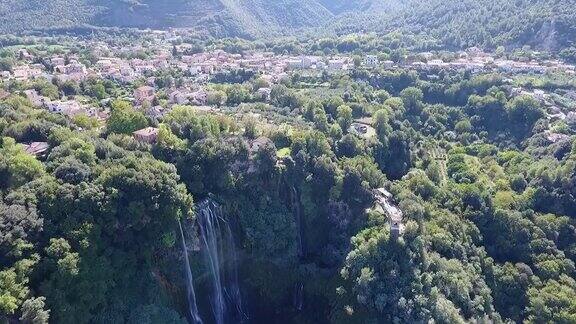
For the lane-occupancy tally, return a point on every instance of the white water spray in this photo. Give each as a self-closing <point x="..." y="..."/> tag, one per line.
<point x="219" y="251"/>
<point x="192" y="307"/>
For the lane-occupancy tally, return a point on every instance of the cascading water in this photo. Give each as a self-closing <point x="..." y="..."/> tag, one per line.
<point x="298" y="215"/>
<point x="298" y="298"/>
<point x="220" y="253"/>
<point x="192" y="307"/>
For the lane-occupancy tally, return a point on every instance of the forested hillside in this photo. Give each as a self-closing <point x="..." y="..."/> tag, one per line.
<point x="18" y="16"/>
<point x="543" y="24"/>
<point x="548" y="25"/>
<point x="217" y="17"/>
<point x="349" y="192"/>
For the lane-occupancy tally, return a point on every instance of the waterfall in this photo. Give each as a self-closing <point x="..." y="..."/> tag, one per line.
<point x="219" y="252"/>
<point x="192" y="307"/>
<point x="298" y="298"/>
<point x="298" y="215"/>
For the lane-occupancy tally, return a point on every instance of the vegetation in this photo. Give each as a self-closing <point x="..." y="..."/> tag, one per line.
<point x="457" y="24"/>
<point x="363" y="195"/>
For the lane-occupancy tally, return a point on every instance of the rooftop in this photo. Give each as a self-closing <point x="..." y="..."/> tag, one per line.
<point x="36" y="148"/>
<point x="146" y="131"/>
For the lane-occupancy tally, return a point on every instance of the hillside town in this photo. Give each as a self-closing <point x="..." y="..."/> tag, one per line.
<point x="197" y="70"/>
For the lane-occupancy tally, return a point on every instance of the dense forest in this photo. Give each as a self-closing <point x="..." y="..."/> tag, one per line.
<point x="287" y="161"/>
<point x="90" y="229"/>
<point x="544" y="24"/>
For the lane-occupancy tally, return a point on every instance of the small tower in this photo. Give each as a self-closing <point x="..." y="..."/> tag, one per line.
<point x="394" y="230"/>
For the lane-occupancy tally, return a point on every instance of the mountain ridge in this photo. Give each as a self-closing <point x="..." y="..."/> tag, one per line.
<point x="548" y="24"/>
<point x="244" y="18"/>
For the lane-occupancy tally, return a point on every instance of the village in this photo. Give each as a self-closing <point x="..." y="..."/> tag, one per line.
<point x="138" y="76"/>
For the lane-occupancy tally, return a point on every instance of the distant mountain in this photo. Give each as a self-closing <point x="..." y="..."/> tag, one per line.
<point x="219" y="17"/>
<point x="546" y="24"/>
<point x="543" y="24"/>
<point x="363" y="6"/>
<point x="549" y="24"/>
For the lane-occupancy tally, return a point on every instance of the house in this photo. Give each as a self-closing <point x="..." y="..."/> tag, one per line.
<point x="144" y="93"/>
<point x="475" y="51"/>
<point x="147" y="135"/>
<point x="101" y="115"/>
<point x="540" y="95"/>
<point x="571" y="119"/>
<point x="22" y="73"/>
<point x="24" y="54"/>
<point x="259" y="143"/>
<point x="207" y="68"/>
<point x="189" y="59"/>
<point x="35" y="70"/>
<point x="156" y="112"/>
<point x="195" y="69"/>
<point x="556" y="137"/>
<point x="151" y="81"/>
<point x="570" y="94"/>
<point x="362" y="130"/>
<point x="73" y="68"/>
<point x="320" y="65"/>
<point x="178" y="97"/>
<point x="395" y="230"/>
<point x="144" y="68"/>
<point x="36" y="148"/>
<point x="4" y="94"/>
<point x="199" y="97"/>
<point x="515" y="91"/>
<point x="264" y="93"/>
<point x="125" y="74"/>
<point x="307" y="61"/>
<point x="104" y="64"/>
<point x="58" y="61"/>
<point x="385" y="201"/>
<point x="462" y="55"/>
<point x="338" y="64"/>
<point x="426" y="55"/>
<point x="73" y="71"/>
<point x="304" y="62"/>
<point x="34" y="97"/>
<point x="293" y="64"/>
<point x="160" y="64"/>
<point x="417" y="65"/>
<point x="68" y="108"/>
<point x="385" y="193"/>
<point x="371" y="61"/>
<point x="436" y="62"/>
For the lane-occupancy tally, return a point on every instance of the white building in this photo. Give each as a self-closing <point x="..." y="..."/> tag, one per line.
<point x="34" y="97"/>
<point x="337" y="64"/>
<point x="388" y="64"/>
<point x="144" y="93"/>
<point x="199" y="97"/>
<point x="68" y="108"/>
<point x="22" y="73"/>
<point x="178" y="97"/>
<point x="74" y="68"/>
<point x="264" y="93"/>
<point x="371" y="61"/>
<point x="58" y="61"/>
